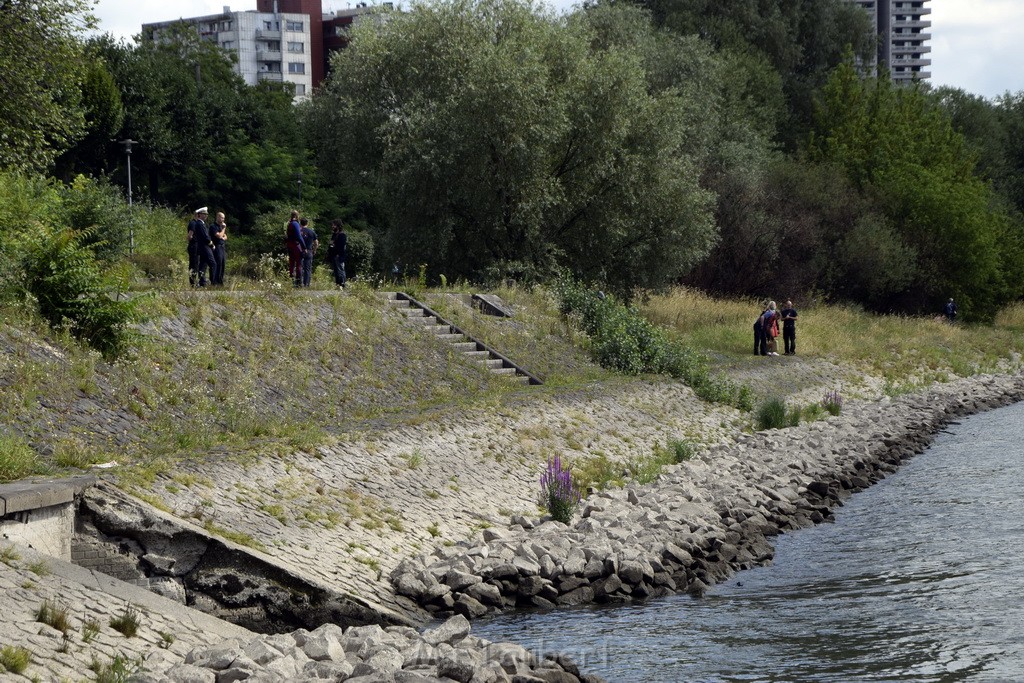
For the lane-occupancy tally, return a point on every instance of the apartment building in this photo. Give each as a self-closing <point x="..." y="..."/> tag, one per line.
<point x="282" y="41"/>
<point x="267" y="46"/>
<point x="903" y="33"/>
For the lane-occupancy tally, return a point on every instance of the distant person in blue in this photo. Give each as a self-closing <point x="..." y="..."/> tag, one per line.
<point x="204" y="246"/>
<point x="219" y="236"/>
<point x="789" y="316"/>
<point x="309" y="239"/>
<point x="296" y="248"/>
<point x="337" y="251"/>
<point x="951" y="311"/>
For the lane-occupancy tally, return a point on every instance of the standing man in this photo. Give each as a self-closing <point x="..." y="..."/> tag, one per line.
<point x="789" y="316"/>
<point x="204" y="245"/>
<point x="193" y="251"/>
<point x="337" y="251"/>
<point x="296" y="248"/>
<point x="950" y="311"/>
<point x="219" y="236"/>
<point x="311" y="241"/>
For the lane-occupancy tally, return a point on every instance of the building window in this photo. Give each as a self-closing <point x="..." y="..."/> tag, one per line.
<point x="225" y="26"/>
<point x="296" y="47"/>
<point x="228" y="45"/>
<point x="294" y="26"/>
<point x="300" y="89"/>
<point x="296" y="67"/>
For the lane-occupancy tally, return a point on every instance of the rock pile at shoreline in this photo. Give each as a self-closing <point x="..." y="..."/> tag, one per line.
<point x="365" y="654"/>
<point x="701" y="521"/>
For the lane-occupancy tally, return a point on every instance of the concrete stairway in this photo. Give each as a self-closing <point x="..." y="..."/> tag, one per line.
<point x="473" y="349"/>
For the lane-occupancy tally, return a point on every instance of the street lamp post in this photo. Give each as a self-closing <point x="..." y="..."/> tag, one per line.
<point x="131" y="222"/>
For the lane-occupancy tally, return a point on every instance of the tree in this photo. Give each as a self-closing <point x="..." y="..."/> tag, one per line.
<point x="897" y="143"/>
<point x="41" y="69"/>
<point x="504" y="141"/>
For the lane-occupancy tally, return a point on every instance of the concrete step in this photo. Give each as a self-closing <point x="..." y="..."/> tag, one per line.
<point x="478" y="355"/>
<point x="439" y="329"/>
<point x="503" y="371"/>
<point x="492" y="362"/>
<point x="413" y="312"/>
<point x="521" y="379"/>
<point x="452" y="338"/>
<point x="465" y="346"/>
<point x="399" y="303"/>
<point x="429" y="320"/>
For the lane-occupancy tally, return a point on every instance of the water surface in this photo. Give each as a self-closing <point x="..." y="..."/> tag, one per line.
<point x="920" y="578"/>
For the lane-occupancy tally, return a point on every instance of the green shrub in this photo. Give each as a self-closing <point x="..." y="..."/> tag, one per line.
<point x="623" y="340"/>
<point x="74" y="290"/>
<point x="118" y="670"/>
<point x="360" y="249"/>
<point x="128" y="622"/>
<point x="54" y="615"/>
<point x="14" y="659"/>
<point x="681" y="449"/>
<point x="772" y="414"/>
<point x="793" y="416"/>
<point x="17" y="459"/>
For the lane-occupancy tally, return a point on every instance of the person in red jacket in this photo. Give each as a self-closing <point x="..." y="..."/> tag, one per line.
<point x="296" y="248"/>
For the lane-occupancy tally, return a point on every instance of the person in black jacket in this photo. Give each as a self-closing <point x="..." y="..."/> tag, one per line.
<point x="219" y="236"/>
<point x="337" y="251"/>
<point x="204" y="246"/>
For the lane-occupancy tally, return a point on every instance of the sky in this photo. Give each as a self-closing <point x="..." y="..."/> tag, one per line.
<point x="977" y="45"/>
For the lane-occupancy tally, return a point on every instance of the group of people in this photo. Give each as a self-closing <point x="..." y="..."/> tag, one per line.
<point x="207" y="249"/>
<point x="302" y="243"/>
<point x="766" y="330"/>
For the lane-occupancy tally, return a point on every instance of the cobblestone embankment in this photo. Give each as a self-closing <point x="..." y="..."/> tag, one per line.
<point x="702" y="520"/>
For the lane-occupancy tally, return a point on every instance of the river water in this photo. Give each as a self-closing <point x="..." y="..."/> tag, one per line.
<point x="920" y="578"/>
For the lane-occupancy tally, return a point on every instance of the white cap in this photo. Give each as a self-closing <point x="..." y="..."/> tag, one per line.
<point x="202" y="209"/>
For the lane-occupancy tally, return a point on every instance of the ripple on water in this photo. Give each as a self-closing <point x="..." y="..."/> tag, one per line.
<point x="918" y="579"/>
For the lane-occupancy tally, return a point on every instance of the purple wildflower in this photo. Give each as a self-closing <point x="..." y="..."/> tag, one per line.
<point x="559" y="492"/>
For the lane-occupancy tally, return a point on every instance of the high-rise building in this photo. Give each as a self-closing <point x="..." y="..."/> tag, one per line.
<point x="902" y="29"/>
<point x="283" y="41"/>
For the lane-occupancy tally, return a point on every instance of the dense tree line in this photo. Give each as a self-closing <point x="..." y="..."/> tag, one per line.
<point x="728" y="144"/>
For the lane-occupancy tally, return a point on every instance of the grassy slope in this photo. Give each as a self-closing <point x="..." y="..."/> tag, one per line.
<point x="249" y="374"/>
<point x="236" y="375"/>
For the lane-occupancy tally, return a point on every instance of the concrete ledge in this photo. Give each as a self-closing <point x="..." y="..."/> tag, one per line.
<point x="32" y="494"/>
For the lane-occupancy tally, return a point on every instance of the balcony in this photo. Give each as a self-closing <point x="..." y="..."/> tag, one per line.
<point x="271" y="76"/>
<point x="265" y="34"/>
<point x="268" y="55"/>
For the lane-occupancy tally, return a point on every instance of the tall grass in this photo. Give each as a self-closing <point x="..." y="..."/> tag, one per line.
<point x="896" y="347"/>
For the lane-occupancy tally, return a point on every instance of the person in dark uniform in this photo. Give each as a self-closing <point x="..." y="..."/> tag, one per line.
<point x="296" y="248"/>
<point x="193" y="251"/>
<point x="789" y="316"/>
<point x="760" y="341"/>
<point x="219" y="237"/>
<point x="312" y="242"/>
<point x="204" y="245"/>
<point x="950" y="311"/>
<point x="337" y="251"/>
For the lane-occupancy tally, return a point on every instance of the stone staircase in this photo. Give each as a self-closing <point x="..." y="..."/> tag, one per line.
<point x="473" y="349"/>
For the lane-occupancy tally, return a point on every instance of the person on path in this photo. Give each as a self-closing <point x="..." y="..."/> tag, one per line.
<point x="193" y="251"/>
<point x="204" y="246"/>
<point x="760" y="345"/>
<point x="337" y="251"/>
<point x="771" y="329"/>
<point x="789" y="316"/>
<point x="219" y="236"/>
<point x="311" y="243"/>
<point x="296" y="247"/>
<point x="950" y="311"/>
